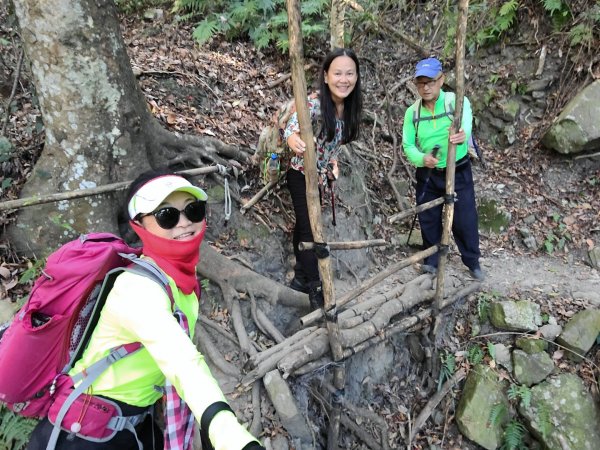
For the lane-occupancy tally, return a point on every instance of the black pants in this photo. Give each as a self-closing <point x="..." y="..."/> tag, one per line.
<point x="123" y="440"/>
<point x="307" y="267"/>
<point x="465" y="226"/>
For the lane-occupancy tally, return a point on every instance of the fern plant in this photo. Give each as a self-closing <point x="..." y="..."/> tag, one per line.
<point x="448" y="368"/>
<point x="512" y="438"/>
<point x="263" y="21"/>
<point x="475" y="354"/>
<point x="520" y="393"/>
<point x="497" y="414"/>
<point x="14" y="430"/>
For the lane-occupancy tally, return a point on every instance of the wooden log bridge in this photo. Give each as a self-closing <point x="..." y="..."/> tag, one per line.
<point x="361" y="327"/>
<point x="349" y="245"/>
<point x="80" y="193"/>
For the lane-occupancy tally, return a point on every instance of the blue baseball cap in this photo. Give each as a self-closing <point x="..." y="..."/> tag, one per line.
<point x="429" y="68"/>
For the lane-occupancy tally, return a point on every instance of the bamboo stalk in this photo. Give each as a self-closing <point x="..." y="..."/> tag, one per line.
<point x="79" y="193"/>
<point x="349" y="296"/>
<point x="312" y="197"/>
<point x="349" y="245"/>
<point x="415" y="210"/>
<point x="463" y="10"/>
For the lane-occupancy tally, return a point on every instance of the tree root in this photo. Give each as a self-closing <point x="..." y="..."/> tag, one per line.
<point x="432" y="404"/>
<point x="225" y="272"/>
<point x="349" y="423"/>
<point x="209" y="349"/>
<point x="263" y="323"/>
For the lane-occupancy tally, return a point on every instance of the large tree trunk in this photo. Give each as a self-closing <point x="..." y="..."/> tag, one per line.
<point x="98" y="127"/>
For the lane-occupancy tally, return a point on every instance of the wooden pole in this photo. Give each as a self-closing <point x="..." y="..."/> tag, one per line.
<point x="79" y="193"/>
<point x="348" y="245"/>
<point x="448" y="217"/>
<point x="314" y="207"/>
<point x="415" y="210"/>
<point x="347" y="297"/>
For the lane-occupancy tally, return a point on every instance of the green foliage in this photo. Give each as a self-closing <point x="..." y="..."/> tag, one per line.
<point x="32" y="272"/>
<point x="448" y="368"/>
<point x="263" y="21"/>
<point x="512" y="438"/>
<point x="475" y="354"/>
<point x="521" y="393"/>
<point x="491" y="350"/>
<point x="544" y="420"/>
<point x="491" y="21"/>
<point x="558" y="236"/>
<point x="497" y="414"/>
<point x="483" y="304"/>
<point x="14" y="430"/>
<point x="6" y="183"/>
<point x="483" y="307"/>
<point x="135" y="6"/>
<point x="6" y="149"/>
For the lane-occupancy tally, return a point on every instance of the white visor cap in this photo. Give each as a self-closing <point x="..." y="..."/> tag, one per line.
<point x="151" y="195"/>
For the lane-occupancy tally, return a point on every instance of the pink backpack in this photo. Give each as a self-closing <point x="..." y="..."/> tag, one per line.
<point x="48" y="335"/>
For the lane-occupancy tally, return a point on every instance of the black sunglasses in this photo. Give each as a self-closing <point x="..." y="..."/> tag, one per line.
<point x="168" y="217"/>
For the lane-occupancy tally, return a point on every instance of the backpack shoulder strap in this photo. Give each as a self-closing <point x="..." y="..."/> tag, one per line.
<point x="141" y="267"/>
<point x="416" y="112"/>
<point x="449" y="104"/>
<point x="416" y="119"/>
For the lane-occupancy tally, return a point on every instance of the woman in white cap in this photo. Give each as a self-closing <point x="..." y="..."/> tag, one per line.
<point x="168" y="214"/>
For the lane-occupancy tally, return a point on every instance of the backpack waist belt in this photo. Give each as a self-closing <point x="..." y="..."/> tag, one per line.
<point x="461" y="164"/>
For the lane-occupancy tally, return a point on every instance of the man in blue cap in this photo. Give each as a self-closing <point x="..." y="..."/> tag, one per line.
<point x="427" y="127"/>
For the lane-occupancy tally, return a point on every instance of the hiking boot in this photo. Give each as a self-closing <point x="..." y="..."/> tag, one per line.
<point x="426" y="268"/>
<point x="315" y="295"/>
<point x="298" y="285"/>
<point x="477" y="273"/>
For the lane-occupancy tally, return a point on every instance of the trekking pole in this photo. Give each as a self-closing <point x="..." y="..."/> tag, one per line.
<point x="478" y="153"/>
<point x="434" y="153"/>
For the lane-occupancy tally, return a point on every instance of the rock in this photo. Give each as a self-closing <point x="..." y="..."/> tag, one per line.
<point x="531" y="243"/>
<point x="592" y="297"/>
<point x="515" y="316"/>
<point x="576" y="128"/>
<point x="531" y="345"/>
<point x="285" y="405"/>
<point x="511" y="134"/>
<point x="7" y="311"/>
<point x="529" y="220"/>
<point x="580" y="333"/>
<point x="562" y="410"/>
<point x="530" y="369"/>
<point x="594" y="256"/>
<point x="508" y="110"/>
<point x="502" y="356"/>
<point x="550" y="331"/>
<point x="481" y="393"/>
<point x="537" y="85"/>
<point x="154" y="14"/>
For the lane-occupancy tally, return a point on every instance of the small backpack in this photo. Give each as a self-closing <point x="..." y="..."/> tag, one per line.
<point x="51" y="331"/>
<point x="271" y="139"/>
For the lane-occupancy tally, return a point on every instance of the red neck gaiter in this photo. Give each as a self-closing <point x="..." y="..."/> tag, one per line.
<point x="177" y="259"/>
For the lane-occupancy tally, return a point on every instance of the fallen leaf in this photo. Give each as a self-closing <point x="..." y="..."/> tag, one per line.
<point x="4" y="272"/>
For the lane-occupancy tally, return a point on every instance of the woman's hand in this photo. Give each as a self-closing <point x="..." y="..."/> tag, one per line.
<point x="296" y="144"/>
<point x="335" y="170"/>
<point x="459" y="137"/>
